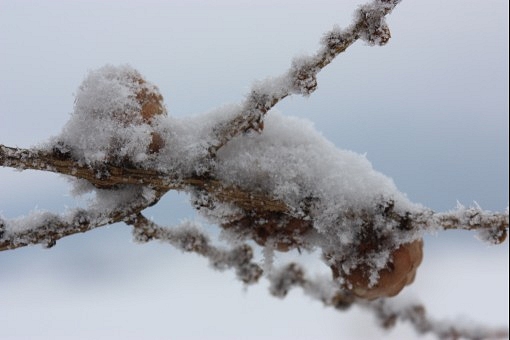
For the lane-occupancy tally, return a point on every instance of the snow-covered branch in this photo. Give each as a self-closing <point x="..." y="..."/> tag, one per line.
<point x="301" y="78"/>
<point x="284" y="188"/>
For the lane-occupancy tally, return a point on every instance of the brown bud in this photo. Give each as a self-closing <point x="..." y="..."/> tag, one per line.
<point x="150" y="100"/>
<point x="398" y="273"/>
<point x="151" y="106"/>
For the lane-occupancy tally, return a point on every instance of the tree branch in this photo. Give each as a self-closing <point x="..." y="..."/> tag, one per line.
<point x="104" y="175"/>
<point x="301" y="78"/>
<point x="107" y="175"/>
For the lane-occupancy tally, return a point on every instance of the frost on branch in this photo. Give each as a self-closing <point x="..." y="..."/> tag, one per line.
<point x="42" y="227"/>
<point x="262" y="176"/>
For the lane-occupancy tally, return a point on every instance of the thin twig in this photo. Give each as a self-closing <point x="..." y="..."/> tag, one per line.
<point x="301" y="78"/>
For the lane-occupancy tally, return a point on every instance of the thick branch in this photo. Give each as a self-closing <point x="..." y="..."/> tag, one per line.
<point x="492" y="226"/>
<point x="109" y="175"/>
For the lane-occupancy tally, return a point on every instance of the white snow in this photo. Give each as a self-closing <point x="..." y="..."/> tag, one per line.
<point x="105" y="123"/>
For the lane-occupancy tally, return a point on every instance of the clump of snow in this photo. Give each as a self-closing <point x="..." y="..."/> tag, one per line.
<point x="290" y="160"/>
<point x="187" y="141"/>
<point x="106" y="123"/>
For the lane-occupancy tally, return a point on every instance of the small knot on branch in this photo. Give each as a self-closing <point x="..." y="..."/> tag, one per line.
<point x="304" y="76"/>
<point x="373" y="27"/>
<point x="193" y="242"/>
<point x="285" y="279"/>
<point x="249" y="273"/>
<point x="61" y="151"/>
<point x="49" y="243"/>
<point x="240" y="259"/>
<point x="143" y="231"/>
<point x="342" y="300"/>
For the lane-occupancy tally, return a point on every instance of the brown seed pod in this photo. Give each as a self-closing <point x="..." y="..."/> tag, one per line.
<point x="400" y="271"/>
<point x="151" y="104"/>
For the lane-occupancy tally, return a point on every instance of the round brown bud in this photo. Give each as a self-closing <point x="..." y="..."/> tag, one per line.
<point x="151" y="106"/>
<point x="399" y="272"/>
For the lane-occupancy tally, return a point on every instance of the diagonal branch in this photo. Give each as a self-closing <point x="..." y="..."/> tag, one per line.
<point x="301" y="78"/>
<point x="104" y="175"/>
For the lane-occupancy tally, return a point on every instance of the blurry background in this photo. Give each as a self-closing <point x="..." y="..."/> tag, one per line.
<point x="430" y="110"/>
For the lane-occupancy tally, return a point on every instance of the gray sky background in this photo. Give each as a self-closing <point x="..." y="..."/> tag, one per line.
<point x="430" y="109"/>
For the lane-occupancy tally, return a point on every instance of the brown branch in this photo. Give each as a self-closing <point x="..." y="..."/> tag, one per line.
<point x="53" y="227"/>
<point x="293" y="275"/>
<point x="103" y="175"/>
<point x="491" y="226"/>
<point x="387" y="313"/>
<point x="107" y="175"/>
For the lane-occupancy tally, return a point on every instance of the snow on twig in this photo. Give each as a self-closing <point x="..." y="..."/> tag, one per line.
<point x="369" y="25"/>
